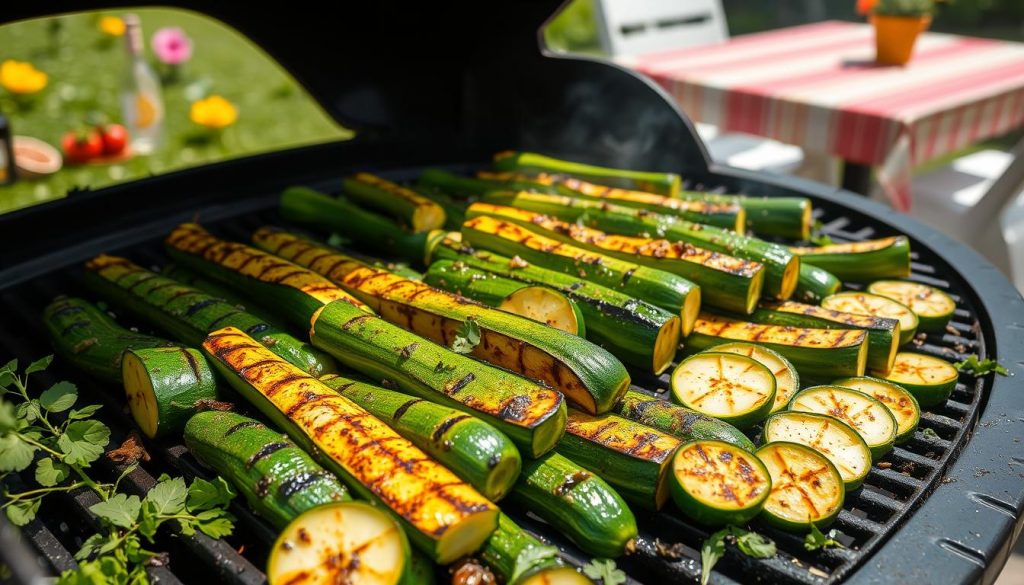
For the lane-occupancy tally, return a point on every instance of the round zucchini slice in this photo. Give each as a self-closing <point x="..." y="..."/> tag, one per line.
<point x="548" y="306"/>
<point x="831" y="437"/>
<point x="806" y="487"/>
<point x="730" y="387"/>
<point x="862" y="303"/>
<point x="930" y="379"/>
<point x="349" y="542"/>
<point x="716" y="483"/>
<point x="933" y="307"/>
<point x="559" y="576"/>
<point x="898" y="400"/>
<point x="787" y="381"/>
<point x="867" y="415"/>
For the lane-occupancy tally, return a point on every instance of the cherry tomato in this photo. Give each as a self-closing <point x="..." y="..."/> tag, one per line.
<point x="115" y="137"/>
<point x="81" y="146"/>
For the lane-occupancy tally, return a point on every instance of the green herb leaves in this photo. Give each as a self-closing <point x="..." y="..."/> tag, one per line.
<point x="605" y="570"/>
<point x="467" y="337"/>
<point x="749" y="543"/>
<point x="980" y="367"/>
<point x="530" y="558"/>
<point x="816" y="539"/>
<point x="82" y="441"/>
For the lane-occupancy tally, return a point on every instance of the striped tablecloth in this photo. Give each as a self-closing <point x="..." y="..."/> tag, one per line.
<point x="817" y="86"/>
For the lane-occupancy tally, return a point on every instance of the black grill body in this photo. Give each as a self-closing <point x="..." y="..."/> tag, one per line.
<point x="448" y="85"/>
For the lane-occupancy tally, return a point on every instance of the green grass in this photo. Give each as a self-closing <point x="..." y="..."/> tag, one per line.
<point x="86" y="74"/>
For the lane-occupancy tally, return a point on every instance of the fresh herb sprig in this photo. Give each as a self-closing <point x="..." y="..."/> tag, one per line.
<point x="605" y="570"/>
<point x="467" y="337"/>
<point x="749" y="543"/>
<point x="980" y="367"/>
<point x="816" y="539"/>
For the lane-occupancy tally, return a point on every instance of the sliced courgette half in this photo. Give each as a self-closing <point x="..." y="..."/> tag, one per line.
<point x="933" y="307"/>
<point x="715" y="483"/>
<point x="787" y="381"/>
<point x="731" y="387"/>
<point x="898" y="400"/>
<point x="831" y="437"/>
<point x="930" y="379"/>
<point x="866" y="414"/>
<point x="862" y="303"/>
<point x="559" y="576"/>
<point x="347" y="542"/>
<point x="806" y="487"/>
<point x="548" y="306"/>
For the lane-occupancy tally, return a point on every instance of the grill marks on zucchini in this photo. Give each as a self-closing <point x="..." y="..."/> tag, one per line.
<point x="862" y="303"/>
<point x="716" y="483"/>
<point x="418" y="212"/>
<point x="933" y="307"/>
<point x="531" y="162"/>
<point x="899" y="401"/>
<point x="930" y="379"/>
<point x="682" y="423"/>
<point x="588" y="375"/>
<point x="165" y="386"/>
<point x="831" y="437"/>
<point x="865" y="414"/>
<point x="447" y="518"/>
<point x="731" y="387"/>
<point x="860" y="261"/>
<point x="787" y="380"/>
<point x="806" y="488"/>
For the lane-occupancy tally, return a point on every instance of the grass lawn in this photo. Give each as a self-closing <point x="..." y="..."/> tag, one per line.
<point x="86" y="70"/>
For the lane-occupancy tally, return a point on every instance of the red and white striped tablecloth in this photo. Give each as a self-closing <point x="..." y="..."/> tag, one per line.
<point x="817" y="86"/>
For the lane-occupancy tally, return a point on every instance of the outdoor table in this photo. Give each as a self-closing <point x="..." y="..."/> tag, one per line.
<point x="817" y="86"/>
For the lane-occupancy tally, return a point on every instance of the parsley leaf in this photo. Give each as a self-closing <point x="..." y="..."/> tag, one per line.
<point x="749" y="543"/>
<point x="39" y="365"/>
<point x="712" y="550"/>
<point x="15" y="453"/>
<point x="168" y="496"/>
<point x="930" y="433"/>
<point x="84" y="412"/>
<point x="21" y="512"/>
<point x="816" y="539"/>
<point x="59" y="397"/>
<point x="980" y="367"/>
<point x="120" y="510"/>
<point x="754" y="545"/>
<point x="605" y="570"/>
<point x="83" y="441"/>
<point x="531" y="557"/>
<point x="467" y="337"/>
<point x="49" y="472"/>
<point x="203" y="495"/>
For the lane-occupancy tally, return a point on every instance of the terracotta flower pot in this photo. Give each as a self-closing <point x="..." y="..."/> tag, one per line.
<point x="895" y="36"/>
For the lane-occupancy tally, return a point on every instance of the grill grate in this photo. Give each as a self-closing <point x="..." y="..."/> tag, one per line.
<point x="893" y="489"/>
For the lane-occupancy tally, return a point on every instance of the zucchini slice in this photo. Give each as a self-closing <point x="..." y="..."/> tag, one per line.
<point x="933" y="307"/>
<point x="730" y="387"/>
<point x="898" y="400"/>
<point x="831" y="437"/>
<point x="787" y="381"/>
<point x="164" y="387"/>
<point x="861" y="261"/>
<point x="682" y="423"/>
<point x="930" y="379"/>
<point x="346" y="542"/>
<point x="548" y="306"/>
<point x="862" y="303"/>
<point x="806" y="488"/>
<point x="816" y="353"/>
<point x="419" y="213"/>
<point x="510" y="543"/>
<point x="715" y="483"/>
<point x="867" y="415"/>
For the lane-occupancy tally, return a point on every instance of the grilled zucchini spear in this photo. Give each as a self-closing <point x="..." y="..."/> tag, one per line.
<point x="531" y="415"/>
<point x="531" y="162"/>
<point x="733" y="284"/>
<point x="189" y="314"/>
<point x="680" y="422"/>
<point x="819" y="354"/>
<point x="782" y="267"/>
<point x="410" y="208"/>
<point x="588" y="375"/>
<point x="657" y="287"/>
<point x="511" y="546"/>
<point x="165" y="386"/>
<point x="861" y="261"/>
<point x="296" y="292"/>
<point x="814" y="284"/>
<point x="444" y="517"/>
<point x="638" y="333"/>
<point x="471" y="448"/>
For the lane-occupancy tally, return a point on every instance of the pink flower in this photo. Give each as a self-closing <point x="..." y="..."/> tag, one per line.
<point x="172" y="45"/>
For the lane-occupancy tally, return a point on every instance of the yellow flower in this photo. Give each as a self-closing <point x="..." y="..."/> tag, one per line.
<point x="112" y="25"/>
<point x="213" y="112"/>
<point x="21" y="77"/>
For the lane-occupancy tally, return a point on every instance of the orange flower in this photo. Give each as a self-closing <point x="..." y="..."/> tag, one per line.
<point x="865" y="6"/>
<point x="112" y="25"/>
<point x="21" y="77"/>
<point x="213" y="112"/>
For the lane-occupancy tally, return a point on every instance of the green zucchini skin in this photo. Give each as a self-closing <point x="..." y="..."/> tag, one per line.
<point x="471" y="448"/>
<point x="506" y="544"/>
<point x="296" y="293"/>
<point x="786" y="217"/>
<point x="91" y="340"/>
<point x="657" y="287"/>
<point x="628" y="328"/>
<point x="180" y="380"/>
<point x="277" y="478"/>
<point x="531" y="162"/>
<point x="454" y="211"/>
<point x="862" y="261"/>
<point x="736" y="283"/>
<point x="532" y="416"/>
<point x="815" y="284"/>
<point x="189" y="314"/>
<point x="577" y="503"/>
<point x="371" y="230"/>
<point x="215" y="289"/>
<point x="586" y="374"/>
<point x="780" y="264"/>
<point x="883" y="333"/>
<point x="678" y="421"/>
<point x="469" y="187"/>
<point x="407" y="206"/>
<point x="633" y="458"/>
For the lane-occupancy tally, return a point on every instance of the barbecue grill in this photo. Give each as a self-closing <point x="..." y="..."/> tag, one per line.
<point x="435" y="84"/>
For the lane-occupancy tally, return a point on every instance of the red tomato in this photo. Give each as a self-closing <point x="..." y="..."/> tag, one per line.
<point x="115" y="137"/>
<point x="81" y="146"/>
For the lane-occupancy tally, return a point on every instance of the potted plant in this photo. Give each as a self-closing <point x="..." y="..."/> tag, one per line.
<point x="897" y="24"/>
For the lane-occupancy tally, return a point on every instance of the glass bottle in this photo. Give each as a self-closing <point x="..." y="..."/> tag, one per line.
<point x="141" y="104"/>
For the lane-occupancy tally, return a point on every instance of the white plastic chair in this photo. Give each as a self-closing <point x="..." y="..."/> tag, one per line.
<point x="633" y="27"/>
<point x="979" y="200"/>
